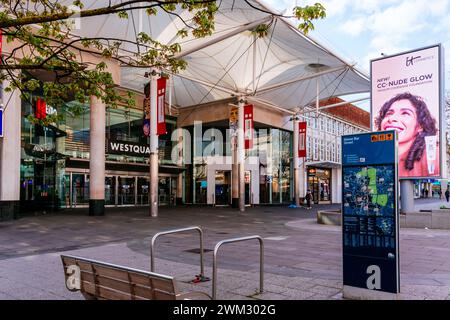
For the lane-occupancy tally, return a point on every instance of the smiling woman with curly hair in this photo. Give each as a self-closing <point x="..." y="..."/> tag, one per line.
<point x="409" y="116"/>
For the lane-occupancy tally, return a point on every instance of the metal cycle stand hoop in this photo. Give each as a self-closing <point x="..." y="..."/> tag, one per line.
<point x="152" y="250"/>
<point x="261" y="261"/>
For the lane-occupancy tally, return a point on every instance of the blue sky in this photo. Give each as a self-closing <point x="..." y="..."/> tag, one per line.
<point x="360" y="30"/>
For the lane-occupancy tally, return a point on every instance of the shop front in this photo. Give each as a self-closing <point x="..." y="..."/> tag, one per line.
<point x="121" y="189"/>
<point x="319" y="182"/>
<point x="268" y="170"/>
<point x="55" y="161"/>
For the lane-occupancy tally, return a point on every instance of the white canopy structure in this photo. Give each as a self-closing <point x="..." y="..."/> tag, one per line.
<point x="284" y="69"/>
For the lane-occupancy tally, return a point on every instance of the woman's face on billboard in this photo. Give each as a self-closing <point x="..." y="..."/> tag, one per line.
<point x="402" y="117"/>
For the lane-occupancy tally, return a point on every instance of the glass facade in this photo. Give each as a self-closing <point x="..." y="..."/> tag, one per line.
<point x="42" y="176"/>
<point x="324" y="138"/>
<point x="55" y="160"/>
<point x="273" y="148"/>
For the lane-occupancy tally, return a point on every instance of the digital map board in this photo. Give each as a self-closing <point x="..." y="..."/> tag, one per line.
<point x="370" y="211"/>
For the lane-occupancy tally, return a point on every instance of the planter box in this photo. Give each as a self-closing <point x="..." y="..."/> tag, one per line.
<point x="443" y="211"/>
<point x="418" y="220"/>
<point x="437" y="219"/>
<point x="440" y="220"/>
<point x="331" y="218"/>
<point x="402" y="221"/>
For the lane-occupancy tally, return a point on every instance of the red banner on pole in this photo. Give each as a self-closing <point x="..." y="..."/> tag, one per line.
<point x="161" y="117"/>
<point x="40" y="111"/>
<point x="248" y="126"/>
<point x="161" y="114"/>
<point x="146" y="120"/>
<point x="302" y="139"/>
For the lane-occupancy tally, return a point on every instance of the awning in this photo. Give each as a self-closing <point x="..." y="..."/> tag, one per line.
<point x="285" y="69"/>
<point x="324" y="164"/>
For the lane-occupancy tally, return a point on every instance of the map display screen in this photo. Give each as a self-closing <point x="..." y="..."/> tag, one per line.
<point x="369" y="210"/>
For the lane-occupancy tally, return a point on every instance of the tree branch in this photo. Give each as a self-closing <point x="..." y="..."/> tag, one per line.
<point x="36" y="19"/>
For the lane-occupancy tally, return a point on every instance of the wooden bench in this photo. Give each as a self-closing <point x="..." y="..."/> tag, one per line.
<point x="100" y="280"/>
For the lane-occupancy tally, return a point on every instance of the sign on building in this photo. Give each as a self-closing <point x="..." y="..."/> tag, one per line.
<point x="161" y="103"/>
<point x="407" y="96"/>
<point x="248" y="126"/>
<point x="40" y="111"/>
<point x="302" y="139"/>
<point x="127" y="148"/>
<point x="234" y="113"/>
<point x="370" y="213"/>
<point x="161" y="129"/>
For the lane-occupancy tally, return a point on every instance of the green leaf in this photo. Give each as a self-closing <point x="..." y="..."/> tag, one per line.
<point x="123" y="14"/>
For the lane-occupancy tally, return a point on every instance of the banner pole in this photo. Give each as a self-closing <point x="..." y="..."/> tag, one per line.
<point x="296" y="161"/>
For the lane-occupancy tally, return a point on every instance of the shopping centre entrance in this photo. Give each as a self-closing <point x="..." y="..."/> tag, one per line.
<point x="223" y="188"/>
<point x="120" y="190"/>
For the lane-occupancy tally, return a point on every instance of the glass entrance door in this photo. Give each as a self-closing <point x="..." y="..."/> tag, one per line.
<point x="173" y="190"/>
<point x="324" y="189"/>
<point x="164" y="191"/>
<point x="313" y="185"/>
<point x="223" y="188"/>
<point x="248" y="188"/>
<point x="126" y="191"/>
<point x="80" y="189"/>
<point x="110" y="190"/>
<point x="143" y="191"/>
<point x="319" y="182"/>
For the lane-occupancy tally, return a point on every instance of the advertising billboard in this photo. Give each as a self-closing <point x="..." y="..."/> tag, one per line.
<point x="370" y="212"/>
<point x="407" y="96"/>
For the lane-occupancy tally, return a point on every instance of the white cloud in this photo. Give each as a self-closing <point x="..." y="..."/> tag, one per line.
<point x="367" y="28"/>
<point x="335" y="7"/>
<point x="438" y="7"/>
<point x="354" y="27"/>
<point x="394" y="28"/>
<point x="386" y="45"/>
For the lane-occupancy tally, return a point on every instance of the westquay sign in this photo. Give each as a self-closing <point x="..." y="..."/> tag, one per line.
<point x="128" y="148"/>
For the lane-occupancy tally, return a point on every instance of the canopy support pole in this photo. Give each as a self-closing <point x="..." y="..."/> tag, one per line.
<point x="154" y="165"/>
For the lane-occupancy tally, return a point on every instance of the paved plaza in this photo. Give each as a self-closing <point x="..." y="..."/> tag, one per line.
<point x="303" y="260"/>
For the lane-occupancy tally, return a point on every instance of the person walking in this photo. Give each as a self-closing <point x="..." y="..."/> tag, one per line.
<point x="447" y="194"/>
<point x="308" y="198"/>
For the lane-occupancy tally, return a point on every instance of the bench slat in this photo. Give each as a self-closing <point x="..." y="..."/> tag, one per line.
<point x="144" y="292"/>
<point x="88" y="287"/>
<point x="84" y="266"/>
<point x="139" y="279"/>
<point x="163" y="285"/>
<point x="110" y="273"/>
<point x="115" y="284"/>
<point x="160" y="295"/>
<point x="110" y="294"/>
